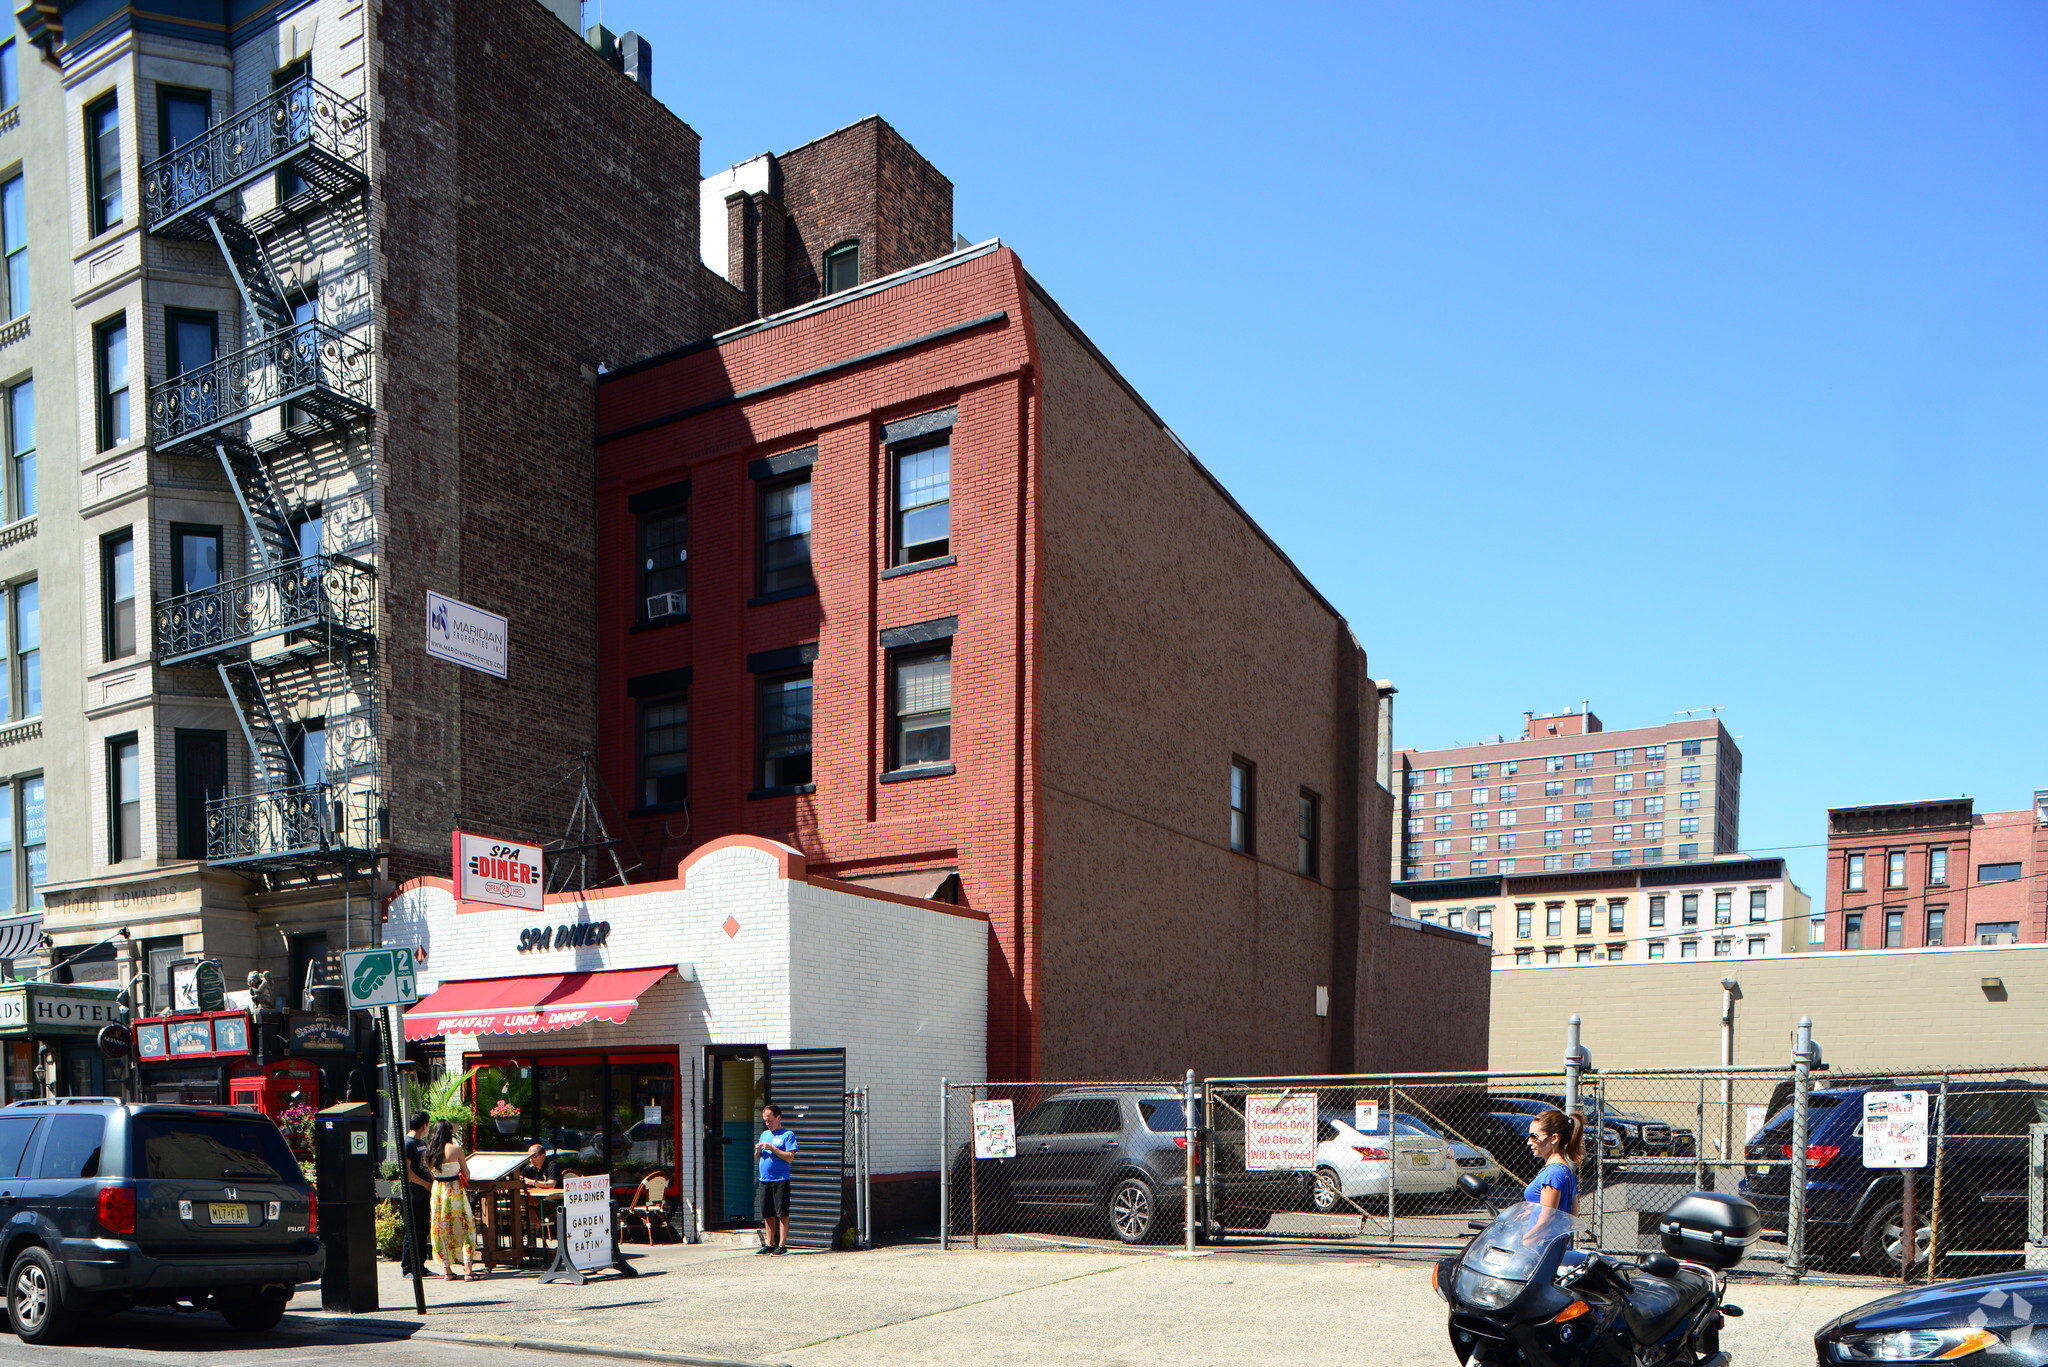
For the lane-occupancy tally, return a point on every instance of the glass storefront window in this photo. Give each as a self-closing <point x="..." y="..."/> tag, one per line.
<point x="643" y="1106"/>
<point x="569" y="1104"/>
<point x="594" y="1113"/>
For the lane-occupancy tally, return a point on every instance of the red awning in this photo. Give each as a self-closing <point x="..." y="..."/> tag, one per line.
<point x="528" y="1006"/>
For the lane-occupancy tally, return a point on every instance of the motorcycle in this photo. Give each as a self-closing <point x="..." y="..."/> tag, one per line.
<point x="1521" y="1295"/>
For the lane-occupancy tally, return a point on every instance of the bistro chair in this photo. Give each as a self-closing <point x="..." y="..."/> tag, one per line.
<point x="649" y="1204"/>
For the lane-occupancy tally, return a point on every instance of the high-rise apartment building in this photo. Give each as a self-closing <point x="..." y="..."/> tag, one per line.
<point x="1910" y="875"/>
<point x="1568" y="795"/>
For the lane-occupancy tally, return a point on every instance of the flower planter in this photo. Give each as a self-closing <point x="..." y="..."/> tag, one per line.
<point x="507" y="1124"/>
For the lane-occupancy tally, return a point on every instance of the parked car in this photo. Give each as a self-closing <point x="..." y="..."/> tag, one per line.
<point x="1858" y="1212"/>
<point x="1118" y="1154"/>
<point x="1473" y="1117"/>
<point x="1993" y="1321"/>
<point x="107" y="1204"/>
<point x="1469" y="1158"/>
<point x="1610" y="1137"/>
<point x="1625" y="1134"/>
<point x="1354" y="1165"/>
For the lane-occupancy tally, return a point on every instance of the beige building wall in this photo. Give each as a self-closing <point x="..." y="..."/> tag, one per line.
<point x="1872" y="1010"/>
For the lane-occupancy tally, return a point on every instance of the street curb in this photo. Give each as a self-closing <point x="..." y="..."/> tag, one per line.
<point x="404" y="1332"/>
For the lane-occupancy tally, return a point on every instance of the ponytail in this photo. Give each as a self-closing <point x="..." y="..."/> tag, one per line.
<point x="1570" y="1133"/>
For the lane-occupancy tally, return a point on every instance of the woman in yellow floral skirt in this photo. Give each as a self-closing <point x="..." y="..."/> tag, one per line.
<point x="454" y="1227"/>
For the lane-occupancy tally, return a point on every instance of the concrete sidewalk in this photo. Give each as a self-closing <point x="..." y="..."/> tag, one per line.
<point x="914" y="1304"/>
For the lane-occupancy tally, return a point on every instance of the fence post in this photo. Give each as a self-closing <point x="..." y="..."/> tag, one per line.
<point x="1393" y="1158"/>
<point x="1940" y="1152"/>
<point x="945" y="1172"/>
<point x="1188" y="1142"/>
<point x="1795" y="1190"/>
<point x="1574" y="1053"/>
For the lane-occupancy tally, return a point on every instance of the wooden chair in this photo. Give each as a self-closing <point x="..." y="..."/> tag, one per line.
<point x="649" y="1204"/>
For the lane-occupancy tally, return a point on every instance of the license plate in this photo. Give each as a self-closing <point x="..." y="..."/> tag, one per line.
<point x="228" y="1212"/>
<point x="1420" y="1160"/>
<point x="1758" y="1170"/>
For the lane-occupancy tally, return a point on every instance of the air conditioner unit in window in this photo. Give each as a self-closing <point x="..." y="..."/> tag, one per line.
<point x="667" y="605"/>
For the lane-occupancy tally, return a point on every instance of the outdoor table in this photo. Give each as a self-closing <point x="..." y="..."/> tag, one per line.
<point x="502" y="1232"/>
<point x="541" y="1222"/>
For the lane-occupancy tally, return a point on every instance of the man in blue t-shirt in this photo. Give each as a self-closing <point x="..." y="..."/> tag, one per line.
<point x="777" y="1142"/>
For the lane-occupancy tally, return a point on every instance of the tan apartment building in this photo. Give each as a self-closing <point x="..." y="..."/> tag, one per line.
<point x="1906" y="875"/>
<point x="1568" y="795"/>
<point x="1734" y="908"/>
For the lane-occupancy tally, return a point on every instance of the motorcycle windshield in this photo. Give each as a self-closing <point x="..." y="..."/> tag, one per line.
<point x="1500" y="1262"/>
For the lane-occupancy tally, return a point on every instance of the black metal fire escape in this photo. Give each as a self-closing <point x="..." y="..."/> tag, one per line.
<point x="291" y="624"/>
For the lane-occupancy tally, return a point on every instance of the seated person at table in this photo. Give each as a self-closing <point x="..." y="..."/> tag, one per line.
<point x="539" y="1170"/>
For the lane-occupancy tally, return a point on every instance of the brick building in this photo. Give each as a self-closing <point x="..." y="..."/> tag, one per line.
<point x="1904" y="875"/>
<point x="874" y="583"/>
<point x="1556" y="799"/>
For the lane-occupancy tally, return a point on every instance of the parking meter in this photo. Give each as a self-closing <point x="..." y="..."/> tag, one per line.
<point x="344" y="1152"/>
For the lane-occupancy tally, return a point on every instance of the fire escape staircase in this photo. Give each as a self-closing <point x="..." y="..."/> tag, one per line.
<point x="312" y="611"/>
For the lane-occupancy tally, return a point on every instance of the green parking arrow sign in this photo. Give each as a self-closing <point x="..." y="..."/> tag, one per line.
<point x="379" y="977"/>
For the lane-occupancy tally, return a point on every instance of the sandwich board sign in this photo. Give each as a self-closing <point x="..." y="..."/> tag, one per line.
<point x="586" y="1240"/>
<point x="1895" y="1129"/>
<point x="379" y="977"/>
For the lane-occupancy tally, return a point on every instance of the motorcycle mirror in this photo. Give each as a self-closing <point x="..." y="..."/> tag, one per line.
<point x="1472" y="1187"/>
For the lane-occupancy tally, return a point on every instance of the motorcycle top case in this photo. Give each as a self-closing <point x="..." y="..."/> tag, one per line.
<point x="1710" y="1228"/>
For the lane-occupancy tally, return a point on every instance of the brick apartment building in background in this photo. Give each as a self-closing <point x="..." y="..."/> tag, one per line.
<point x="1557" y="799"/>
<point x="1907" y="875"/>
<point x="877" y="581"/>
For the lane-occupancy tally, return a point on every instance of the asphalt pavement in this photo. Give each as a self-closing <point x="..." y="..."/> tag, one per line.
<point x="191" y="1340"/>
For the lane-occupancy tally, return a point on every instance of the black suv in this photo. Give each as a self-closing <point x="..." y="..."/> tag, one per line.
<point x="1117" y="1153"/>
<point x="1854" y="1210"/>
<point x="1641" y="1136"/>
<point x="105" y="1204"/>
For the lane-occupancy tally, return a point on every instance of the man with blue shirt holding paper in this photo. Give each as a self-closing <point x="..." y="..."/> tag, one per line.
<point x="777" y="1142"/>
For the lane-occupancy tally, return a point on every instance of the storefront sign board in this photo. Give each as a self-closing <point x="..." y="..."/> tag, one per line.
<point x="1280" y="1131"/>
<point x="466" y="635"/>
<point x="314" y="1036"/>
<point x="1895" y="1129"/>
<point x="191" y="1037"/>
<point x="46" y="1009"/>
<point x="501" y="873"/>
<point x="218" y="1036"/>
<point x="587" y="1211"/>
<point x="995" y="1129"/>
<point x="150" y="1041"/>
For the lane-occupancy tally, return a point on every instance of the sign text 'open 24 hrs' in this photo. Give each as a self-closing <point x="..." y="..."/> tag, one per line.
<point x="498" y="872"/>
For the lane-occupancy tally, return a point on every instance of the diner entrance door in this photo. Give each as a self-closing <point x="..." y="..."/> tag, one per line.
<point x="736" y="1076"/>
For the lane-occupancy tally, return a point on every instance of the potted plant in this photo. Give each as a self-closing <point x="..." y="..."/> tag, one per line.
<point x="505" y="1116"/>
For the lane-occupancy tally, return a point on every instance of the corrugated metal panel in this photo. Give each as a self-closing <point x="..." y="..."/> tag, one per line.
<point x="810" y="1086"/>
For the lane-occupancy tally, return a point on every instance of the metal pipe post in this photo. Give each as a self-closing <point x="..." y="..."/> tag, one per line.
<point x="1729" y="989"/>
<point x="1393" y="1155"/>
<point x="1795" y="1199"/>
<point x="945" y="1174"/>
<point x="1940" y="1152"/>
<point x="1573" y="1053"/>
<point x="1188" y="1142"/>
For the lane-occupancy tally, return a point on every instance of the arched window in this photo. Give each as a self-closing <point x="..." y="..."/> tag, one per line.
<point x="842" y="267"/>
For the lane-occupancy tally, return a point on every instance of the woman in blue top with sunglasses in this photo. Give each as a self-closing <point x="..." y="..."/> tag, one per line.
<point x="1559" y="1143"/>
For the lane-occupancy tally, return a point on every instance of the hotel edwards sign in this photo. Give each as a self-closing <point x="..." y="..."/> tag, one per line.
<point x="42" y="1009"/>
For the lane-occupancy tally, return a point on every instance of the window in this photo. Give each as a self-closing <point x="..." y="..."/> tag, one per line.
<point x="1625" y="807"/>
<point x="1440" y="847"/>
<point x="22" y="680"/>
<point x="1454" y="917"/>
<point x="1553" y="861"/>
<point x="1553" y="763"/>
<point x="1895" y="930"/>
<point x="308" y="740"/>
<point x="1895" y="868"/>
<point x="1619" y="857"/>
<point x="1998" y="932"/>
<point x="665" y="751"/>
<point x="1654" y="779"/>
<point x="842" y="267"/>
<point x="1757" y="945"/>
<point x="1688" y="747"/>
<point x="1522" y="958"/>
<point x="921" y="706"/>
<point x="1583" y="761"/>
<point x="110" y="372"/>
<point x="1623" y="833"/>
<point x="308" y="528"/>
<point x="201" y="762"/>
<point x="1937" y="868"/>
<point x="308" y="962"/>
<point x="1439" y="870"/>
<point x="22" y="827"/>
<point x="1478" y="866"/>
<point x="1443" y="776"/>
<point x="1624" y="782"/>
<point x="1510" y="767"/>
<point x="21" y="450"/>
<point x="785" y="733"/>
<point x="1852" y="873"/>
<point x="1652" y="806"/>
<point x="1508" y="791"/>
<point x="124" y="799"/>
<point x="1553" y="838"/>
<point x="1507" y="865"/>
<point x="924" y="491"/>
<point x="1689" y="909"/>
<point x="1656" y="908"/>
<point x="181" y="115"/>
<point x="1817" y="931"/>
<point x="1997" y="873"/>
<point x="1653" y="754"/>
<point x="1759" y="904"/>
<point x="1581" y="787"/>
<point x="1308" y="834"/>
<point x="1582" y="861"/>
<point x="1443" y="799"/>
<point x="786" y="535"/>
<point x="1852" y="931"/>
<point x="1553" y="918"/>
<point x="1689" y="800"/>
<point x="1688" y="851"/>
<point x="1689" y="774"/>
<point x="289" y="184"/>
<point x="1624" y="758"/>
<point x="1582" y="835"/>
<point x="1553" y="954"/>
<point x="1724" y="907"/>
<point x="1243" y="828"/>
<point x="1553" y="787"/>
<point x="195" y="558"/>
<point x="117" y="594"/>
<point x="1653" y="830"/>
<point x="1524" y="913"/>
<point x="1555" y="813"/>
<point x="103" y="163"/>
<point x="1414" y="801"/>
<point x="1688" y="949"/>
<point x="1481" y="820"/>
<point x="1582" y="811"/>
<point x="1585" y="910"/>
<point x="1414" y="825"/>
<point x="1504" y="842"/>
<point x="1656" y="949"/>
<point x="1507" y="818"/>
<point x="191" y="338"/>
<point x="1440" y="823"/>
<point x="14" y="241"/>
<point x="1937" y="922"/>
<point x="1617" y="951"/>
<point x="1723" y="948"/>
<point x="1583" y="954"/>
<point x="1480" y="797"/>
<point x="1481" y="770"/>
<point x="1688" y="825"/>
<point x="1478" y="845"/>
<point x="1412" y="871"/>
<point x="10" y="76"/>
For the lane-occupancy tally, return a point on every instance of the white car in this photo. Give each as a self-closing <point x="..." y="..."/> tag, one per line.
<point x="1470" y="1158"/>
<point x="1353" y="1166"/>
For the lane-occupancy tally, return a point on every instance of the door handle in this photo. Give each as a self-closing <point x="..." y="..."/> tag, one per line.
<point x="1045" y="1148"/>
<point x="1109" y="1143"/>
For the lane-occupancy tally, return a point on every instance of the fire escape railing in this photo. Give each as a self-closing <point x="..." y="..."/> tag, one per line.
<point x="316" y="595"/>
<point x="312" y="824"/>
<point x="316" y="366"/>
<point x="319" y="135"/>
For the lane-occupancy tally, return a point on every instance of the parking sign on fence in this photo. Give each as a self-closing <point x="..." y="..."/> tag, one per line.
<point x="1280" y="1131"/>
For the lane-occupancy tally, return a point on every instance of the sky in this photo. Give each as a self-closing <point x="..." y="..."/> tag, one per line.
<point x="1674" y="356"/>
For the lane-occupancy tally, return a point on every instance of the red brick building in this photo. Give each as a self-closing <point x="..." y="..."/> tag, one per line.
<point x="910" y="578"/>
<point x="1905" y="875"/>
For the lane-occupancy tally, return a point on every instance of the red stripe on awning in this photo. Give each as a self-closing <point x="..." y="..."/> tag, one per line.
<point x="528" y="1006"/>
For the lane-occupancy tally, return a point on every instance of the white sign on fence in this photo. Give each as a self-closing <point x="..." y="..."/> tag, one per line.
<point x="995" y="1129"/>
<point x="1895" y="1129"/>
<point x="1280" y="1131"/>
<point x="587" y="1204"/>
<point x="466" y="635"/>
<point x="1753" y="1118"/>
<point x="1365" y="1116"/>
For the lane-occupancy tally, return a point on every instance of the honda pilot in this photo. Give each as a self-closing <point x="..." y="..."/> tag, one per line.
<point x="106" y="1204"/>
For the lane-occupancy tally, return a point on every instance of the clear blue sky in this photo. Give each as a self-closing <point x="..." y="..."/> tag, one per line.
<point x="1671" y="356"/>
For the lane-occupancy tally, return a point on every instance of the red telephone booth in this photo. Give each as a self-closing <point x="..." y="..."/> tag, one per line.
<point x="275" y="1088"/>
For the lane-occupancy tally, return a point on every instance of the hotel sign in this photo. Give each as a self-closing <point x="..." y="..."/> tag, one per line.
<point x="44" y="1009"/>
